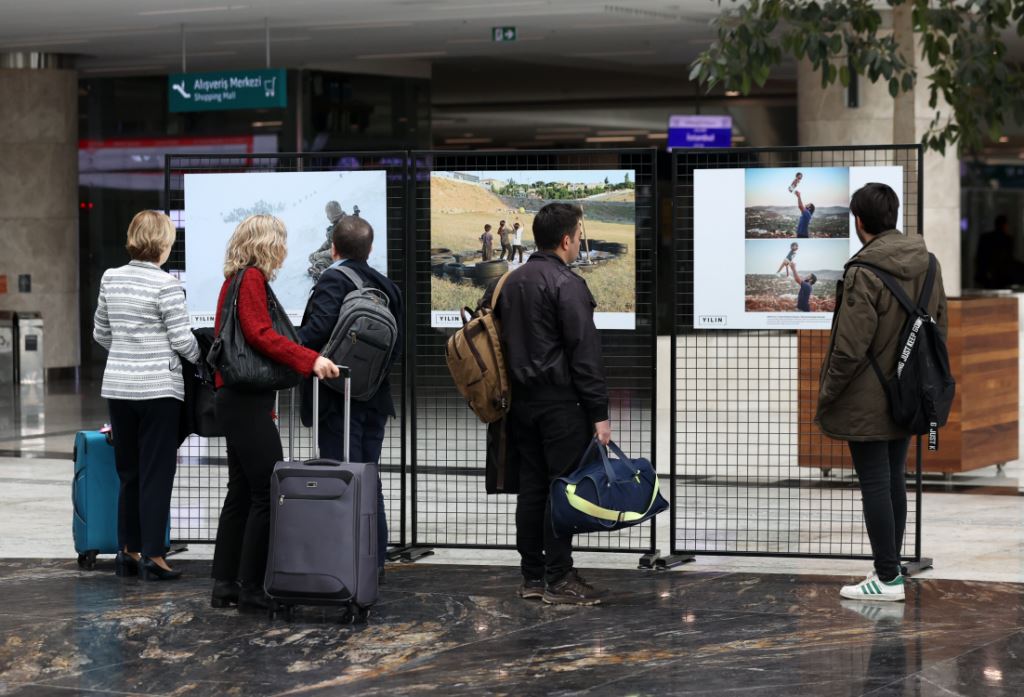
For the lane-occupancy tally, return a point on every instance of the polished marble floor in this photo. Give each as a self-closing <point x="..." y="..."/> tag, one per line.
<point x="460" y="630"/>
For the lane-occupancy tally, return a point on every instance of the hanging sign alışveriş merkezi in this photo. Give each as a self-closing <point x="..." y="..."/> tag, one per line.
<point x="236" y="89"/>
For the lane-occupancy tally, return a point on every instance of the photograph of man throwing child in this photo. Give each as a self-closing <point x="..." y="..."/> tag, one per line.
<point x="783" y="202"/>
<point x="804" y="282"/>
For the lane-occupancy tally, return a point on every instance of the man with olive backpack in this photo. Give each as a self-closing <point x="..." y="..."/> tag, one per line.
<point x="886" y="375"/>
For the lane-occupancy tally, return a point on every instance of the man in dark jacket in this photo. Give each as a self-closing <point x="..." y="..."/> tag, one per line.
<point x="852" y="403"/>
<point x="559" y="395"/>
<point x="351" y="241"/>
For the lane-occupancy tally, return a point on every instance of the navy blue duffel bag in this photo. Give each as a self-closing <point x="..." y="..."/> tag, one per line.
<point x="605" y="494"/>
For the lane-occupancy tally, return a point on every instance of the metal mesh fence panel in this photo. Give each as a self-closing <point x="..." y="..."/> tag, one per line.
<point x="751" y="472"/>
<point x="201" y="479"/>
<point x="450" y="507"/>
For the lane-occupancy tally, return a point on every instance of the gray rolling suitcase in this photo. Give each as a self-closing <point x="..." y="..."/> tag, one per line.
<point x="323" y="530"/>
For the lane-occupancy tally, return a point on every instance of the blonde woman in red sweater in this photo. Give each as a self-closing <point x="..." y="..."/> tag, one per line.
<point x="256" y="249"/>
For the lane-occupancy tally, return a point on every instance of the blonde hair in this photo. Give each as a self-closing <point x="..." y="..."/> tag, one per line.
<point x="150" y="234"/>
<point x="260" y="241"/>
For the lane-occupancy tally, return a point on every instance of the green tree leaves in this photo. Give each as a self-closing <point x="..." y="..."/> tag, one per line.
<point x="960" y="41"/>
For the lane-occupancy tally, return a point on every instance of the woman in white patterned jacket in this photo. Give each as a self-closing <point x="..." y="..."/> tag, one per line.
<point x="142" y="321"/>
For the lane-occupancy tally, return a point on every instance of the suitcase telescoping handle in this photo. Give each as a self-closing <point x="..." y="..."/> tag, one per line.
<point x="346" y="374"/>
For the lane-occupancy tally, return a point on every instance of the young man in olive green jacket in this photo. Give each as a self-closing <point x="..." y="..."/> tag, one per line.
<point x="852" y="403"/>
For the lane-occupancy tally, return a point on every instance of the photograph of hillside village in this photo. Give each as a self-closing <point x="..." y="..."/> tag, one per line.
<point x="481" y="227"/>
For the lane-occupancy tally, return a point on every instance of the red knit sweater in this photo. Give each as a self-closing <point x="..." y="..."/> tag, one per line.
<point x="254" y="317"/>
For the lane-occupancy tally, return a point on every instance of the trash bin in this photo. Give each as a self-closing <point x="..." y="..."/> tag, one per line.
<point x="6" y="348"/>
<point x="29" y="365"/>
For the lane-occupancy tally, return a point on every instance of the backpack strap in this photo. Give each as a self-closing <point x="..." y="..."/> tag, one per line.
<point x="929" y="283"/>
<point x="497" y="289"/>
<point x="892" y="284"/>
<point x="351" y="275"/>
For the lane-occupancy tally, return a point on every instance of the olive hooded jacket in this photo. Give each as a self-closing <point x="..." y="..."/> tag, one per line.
<point x="852" y="404"/>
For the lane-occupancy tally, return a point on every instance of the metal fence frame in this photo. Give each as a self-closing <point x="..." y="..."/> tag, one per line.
<point x="683" y="165"/>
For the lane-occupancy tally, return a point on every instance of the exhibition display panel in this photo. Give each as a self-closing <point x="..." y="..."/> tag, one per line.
<point x="457" y="194"/>
<point x="206" y="196"/>
<point x="761" y="239"/>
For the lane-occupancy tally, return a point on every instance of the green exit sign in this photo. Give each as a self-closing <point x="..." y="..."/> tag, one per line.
<point x="220" y="91"/>
<point x="503" y="33"/>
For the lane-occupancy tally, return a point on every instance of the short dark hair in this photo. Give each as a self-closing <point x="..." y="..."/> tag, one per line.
<point x="813" y="279"/>
<point x="810" y="207"/>
<point x="487" y="227"/>
<point x="352" y="238"/>
<point x="877" y="206"/>
<point x="553" y="222"/>
<point x="502" y="222"/>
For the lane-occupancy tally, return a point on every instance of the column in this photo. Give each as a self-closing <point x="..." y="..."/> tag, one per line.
<point x="823" y="118"/>
<point x="39" y="196"/>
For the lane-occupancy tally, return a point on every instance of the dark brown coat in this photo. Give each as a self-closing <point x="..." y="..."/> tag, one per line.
<point x="852" y="404"/>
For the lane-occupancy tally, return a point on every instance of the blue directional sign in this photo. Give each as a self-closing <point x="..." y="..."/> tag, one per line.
<point x="699" y="132"/>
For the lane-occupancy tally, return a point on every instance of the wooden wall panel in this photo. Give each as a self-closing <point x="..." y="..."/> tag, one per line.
<point x="983" y="346"/>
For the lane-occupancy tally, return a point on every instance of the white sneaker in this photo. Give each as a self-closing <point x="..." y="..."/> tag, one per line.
<point x="873" y="588"/>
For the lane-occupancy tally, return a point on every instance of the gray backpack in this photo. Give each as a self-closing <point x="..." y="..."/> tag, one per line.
<point x="363" y="339"/>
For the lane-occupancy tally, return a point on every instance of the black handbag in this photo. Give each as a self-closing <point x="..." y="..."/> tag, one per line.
<point x="242" y="367"/>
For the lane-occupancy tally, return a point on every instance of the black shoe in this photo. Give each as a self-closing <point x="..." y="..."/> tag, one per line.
<point x="251" y="598"/>
<point x="225" y="593"/>
<point x="125" y="565"/>
<point x="149" y="570"/>
<point x="532" y="589"/>
<point x="573" y="590"/>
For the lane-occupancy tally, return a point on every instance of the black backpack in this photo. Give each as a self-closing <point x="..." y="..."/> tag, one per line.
<point x="921" y="392"/>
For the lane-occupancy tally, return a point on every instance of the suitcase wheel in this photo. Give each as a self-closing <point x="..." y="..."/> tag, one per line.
<point x="87" y="560"/>
<point x="355" y="614"/>
<point x="287" y="611"/>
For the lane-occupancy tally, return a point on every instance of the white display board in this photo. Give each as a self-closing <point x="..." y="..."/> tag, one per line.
<point x="746" y="222"/>
<point x="216" y="203"/>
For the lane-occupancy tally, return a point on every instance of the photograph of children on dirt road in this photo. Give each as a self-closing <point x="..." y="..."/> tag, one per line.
<point x="785" y="276"/>
<point x="481" y="226"/>
<point x="798" y="202"/>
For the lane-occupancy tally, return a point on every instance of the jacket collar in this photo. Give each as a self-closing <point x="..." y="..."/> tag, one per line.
<point x="546" y="256"/>
<point x="144" y="264"/>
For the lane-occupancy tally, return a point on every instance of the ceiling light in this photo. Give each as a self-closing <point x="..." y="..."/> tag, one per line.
<point x="267" y="124"/>
<point x="46" y="42"/>
<point x="391" y="56"/>
<point x="561" y="129"/>
<point x="123" y="69"/>
<point x="273" y="40"/>
<point x="194" y="10"/>
<point x="622" y="133"/>
<point x="657" y="136"/>
<point x="610" y="54"/>
<point x="194" y="54"/>
<point x="611" y="139"/>
<point x="486" y="6"/>
<point x="1004" y="139"/>
<point x="467" y="141"/>
<point x="739" y="139"/>
<point x="360" y="25"/>
<point x="732" y="93"/>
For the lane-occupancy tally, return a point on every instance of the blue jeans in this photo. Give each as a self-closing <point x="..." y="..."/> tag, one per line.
<point x="366" y="439"/>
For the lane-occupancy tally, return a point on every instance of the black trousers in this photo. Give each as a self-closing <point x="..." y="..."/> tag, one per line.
<point x="146" y="455"/>
<point x="881" y="469"/>
<point x="550" y="437"/>
<point x="254" y="447"/>
<point x="366" y="440"/>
